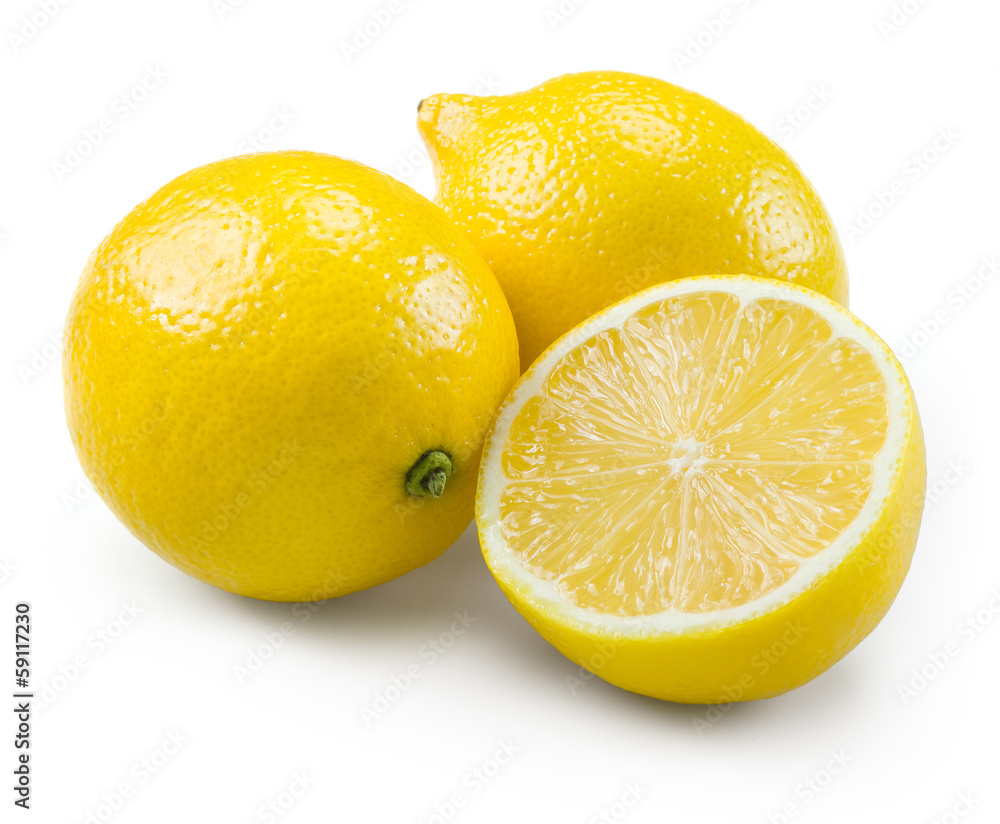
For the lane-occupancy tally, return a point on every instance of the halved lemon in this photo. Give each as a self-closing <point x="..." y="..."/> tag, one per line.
<point x="710" y="491"/>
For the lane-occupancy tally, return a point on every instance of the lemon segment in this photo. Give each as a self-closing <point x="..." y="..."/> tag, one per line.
<point x="694" y="458"/>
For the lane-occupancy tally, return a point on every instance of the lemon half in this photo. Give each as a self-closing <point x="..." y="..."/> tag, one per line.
<point x="709" y="491"/>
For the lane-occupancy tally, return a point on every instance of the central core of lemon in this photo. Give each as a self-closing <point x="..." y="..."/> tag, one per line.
<point x="694" y="458"/>
<point x="687" y="456"/>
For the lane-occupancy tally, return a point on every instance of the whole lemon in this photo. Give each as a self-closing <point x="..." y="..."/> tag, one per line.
<point x="594" y="186"/>
<point x="279" y="370"/>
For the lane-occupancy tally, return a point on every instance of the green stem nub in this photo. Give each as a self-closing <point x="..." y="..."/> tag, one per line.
<point x="429" y="474"/>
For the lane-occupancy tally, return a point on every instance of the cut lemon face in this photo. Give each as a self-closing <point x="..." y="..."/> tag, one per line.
<point x="710" y="491"/>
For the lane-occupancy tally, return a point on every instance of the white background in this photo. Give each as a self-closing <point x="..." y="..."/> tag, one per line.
<point x="222" y="74"/>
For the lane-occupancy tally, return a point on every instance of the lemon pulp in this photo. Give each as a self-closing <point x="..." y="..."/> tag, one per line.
<point x="694" y="458"/>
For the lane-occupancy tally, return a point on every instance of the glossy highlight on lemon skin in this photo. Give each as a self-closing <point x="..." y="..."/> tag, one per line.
<point x="593" y="186"/>
<point x="259" y="353"/>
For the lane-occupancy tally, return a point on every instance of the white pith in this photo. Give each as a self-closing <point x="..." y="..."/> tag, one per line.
<point x="545" y="594"/>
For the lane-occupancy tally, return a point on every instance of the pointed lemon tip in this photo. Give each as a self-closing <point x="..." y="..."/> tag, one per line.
<point x="444" y="118"/>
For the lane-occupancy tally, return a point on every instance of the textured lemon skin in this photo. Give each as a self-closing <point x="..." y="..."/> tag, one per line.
<point x="593" y="186"/>
<point x="769" y="653"/>
<point x="256" y="356"/>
